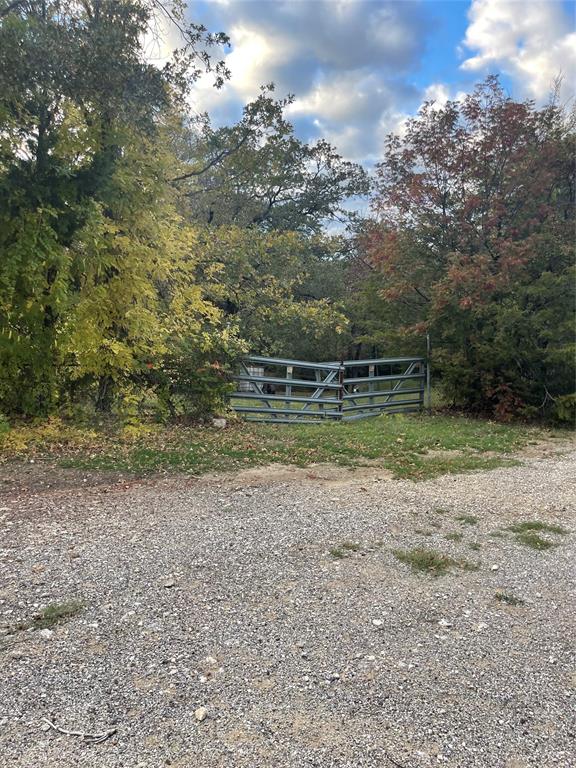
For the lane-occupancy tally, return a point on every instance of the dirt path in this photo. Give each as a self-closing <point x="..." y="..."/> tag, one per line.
<point x="278" y="605"/>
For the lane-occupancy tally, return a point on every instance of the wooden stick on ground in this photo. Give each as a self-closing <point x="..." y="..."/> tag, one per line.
<point x="93" y="738"/>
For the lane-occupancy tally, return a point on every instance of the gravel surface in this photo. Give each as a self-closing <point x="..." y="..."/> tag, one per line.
<point x="218" y="629"/>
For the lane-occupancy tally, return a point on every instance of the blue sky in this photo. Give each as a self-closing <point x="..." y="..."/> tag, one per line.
<point x="359" y="68"/>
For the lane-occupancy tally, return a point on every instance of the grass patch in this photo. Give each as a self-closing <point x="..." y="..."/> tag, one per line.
<point x="417" y="468"/>
<point x="467" y="519"/>
<point x="53" y="614"/>
<point x="454" y="536"/>
<point x="398" y="443"/>
<point x="429" y="561"/>
<point x="527" y="533"/>
<point x="534" y="541"/>
<point x="474" y="546"/>
<point x="497" y="535"/>
<point x="344" y="549"/>
<point x="504" y="597"/>
<point x="536" y="525"/>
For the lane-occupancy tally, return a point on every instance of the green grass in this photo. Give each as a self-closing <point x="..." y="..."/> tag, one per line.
<point x="402" y="444"/>
<point x="53" y="614"/>
<point x="534" y="541"/>
<point x="429" y="561"/>
<point x="344" y="549"/>
<point x="454" y="536"/>
<point x="467" y="519"/>
<point x="337" y="553"/>
<point x="527" y="533"/>
<point x="536" y="525"/>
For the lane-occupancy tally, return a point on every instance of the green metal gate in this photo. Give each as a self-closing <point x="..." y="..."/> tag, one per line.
<point x="286" y="391"/>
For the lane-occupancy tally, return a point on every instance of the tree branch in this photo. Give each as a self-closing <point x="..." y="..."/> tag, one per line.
<point x="215" y="160"/>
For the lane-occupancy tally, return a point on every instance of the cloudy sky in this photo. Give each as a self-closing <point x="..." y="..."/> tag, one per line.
<point x="358" y="67"/>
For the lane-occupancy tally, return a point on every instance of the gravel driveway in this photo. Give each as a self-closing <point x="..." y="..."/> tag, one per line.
<point x="219" y="629"/>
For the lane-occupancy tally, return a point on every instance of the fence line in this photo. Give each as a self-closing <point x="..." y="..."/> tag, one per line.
<point x="285" y="391"/>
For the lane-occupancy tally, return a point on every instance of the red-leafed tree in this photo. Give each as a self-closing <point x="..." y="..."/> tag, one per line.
<point x="473" y="239"/>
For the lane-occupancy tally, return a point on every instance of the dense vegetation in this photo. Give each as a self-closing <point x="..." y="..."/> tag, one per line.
<point x="142" y="251"/>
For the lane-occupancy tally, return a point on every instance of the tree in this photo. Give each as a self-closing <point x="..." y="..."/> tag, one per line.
<point x="89" y="233"/>
<point x="473" y="239"/>
<point x="257" y="173"/>
<point x="265" y="283"/>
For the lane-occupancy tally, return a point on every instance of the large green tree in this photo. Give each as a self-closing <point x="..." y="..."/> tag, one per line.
<point x="258" y="173"/>
<point x="93" y="254"/>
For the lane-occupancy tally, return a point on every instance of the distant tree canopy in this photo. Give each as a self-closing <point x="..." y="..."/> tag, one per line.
<point x="143" y="251"/>
<point x="258" y="173"/>
<point x="474" y="241"/>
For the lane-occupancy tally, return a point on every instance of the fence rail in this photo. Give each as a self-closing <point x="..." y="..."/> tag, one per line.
<point x="283" y="391"/>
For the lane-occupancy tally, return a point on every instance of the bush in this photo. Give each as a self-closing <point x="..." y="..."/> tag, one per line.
<point x="565" y="409"/>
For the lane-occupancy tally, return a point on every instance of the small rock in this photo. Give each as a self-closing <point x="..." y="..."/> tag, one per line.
<point x="377" y="622"/>
<point x="169" y="583"/>
<point x="201" y="714"/>
<point x="211" y="660"/>
<point x="219" y="423"/>
<point x="45" y="634"/>
<point x="482" y="625"/>
<point x="445" y="623"/>
<point x="494" y="567"/>
<point x="44" y="727"/>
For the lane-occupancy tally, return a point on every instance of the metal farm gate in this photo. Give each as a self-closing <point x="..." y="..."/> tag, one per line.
<point x="297" y="391"/>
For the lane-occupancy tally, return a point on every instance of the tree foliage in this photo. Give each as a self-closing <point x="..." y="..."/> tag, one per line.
<point x="257" y="173"/>
<point x="474" y="241"/>
<point x="96" y="273"/>
<point x="143" y="251"/>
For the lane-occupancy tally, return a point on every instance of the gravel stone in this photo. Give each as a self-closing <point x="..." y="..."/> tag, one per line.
<point x="304" y="660"/>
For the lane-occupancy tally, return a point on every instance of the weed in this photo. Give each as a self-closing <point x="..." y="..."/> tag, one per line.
<point x="467" y="519"/>
<point x="532" y="540"/>
<point x="429" y="561"/>
<point x="454" y="536"/>
<point x="352" y="546"/>
<point x="337" y="553"/>
<point x="474" y="545"/>
<point x="536" y="525"/>
<point x="497" y="535"/>
<point x="53" y="614"/>
<point x="503" y="597"/>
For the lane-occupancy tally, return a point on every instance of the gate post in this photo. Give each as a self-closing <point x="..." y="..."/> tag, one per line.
<point x="428" y="373"/>
<point x="341" y="370"/>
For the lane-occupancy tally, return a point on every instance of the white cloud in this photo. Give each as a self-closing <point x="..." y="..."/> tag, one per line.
<point x="530" y="40"/>
<point x="346" y="61"/>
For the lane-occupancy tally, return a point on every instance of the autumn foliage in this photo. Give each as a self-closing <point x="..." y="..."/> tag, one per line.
<point x="473" y="240"/>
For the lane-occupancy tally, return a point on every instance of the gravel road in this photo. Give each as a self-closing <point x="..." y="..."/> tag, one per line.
<point x="219" y="630"/>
